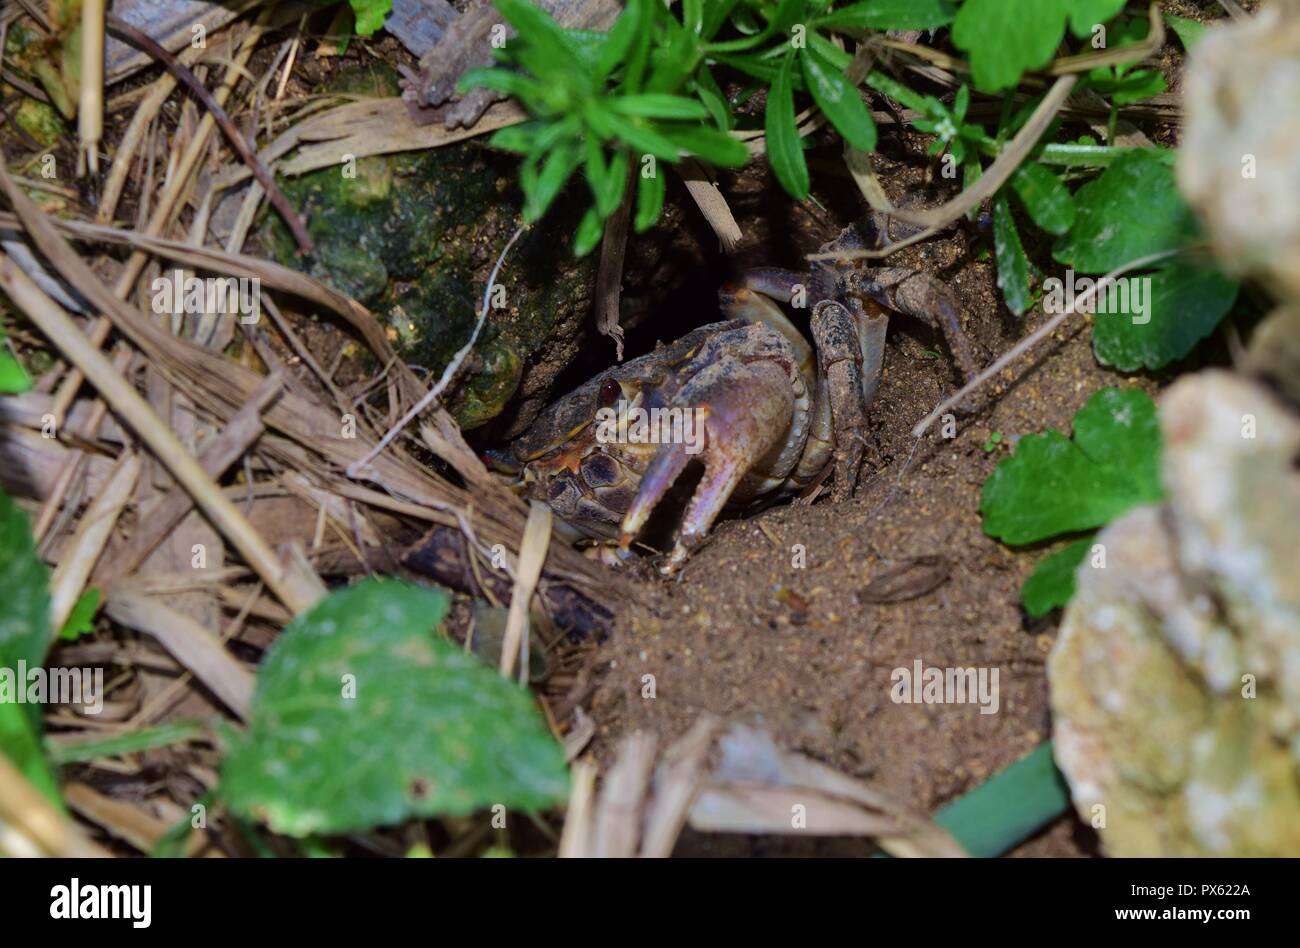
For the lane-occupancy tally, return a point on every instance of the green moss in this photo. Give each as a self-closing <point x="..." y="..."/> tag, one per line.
<point x="414" y="235"/>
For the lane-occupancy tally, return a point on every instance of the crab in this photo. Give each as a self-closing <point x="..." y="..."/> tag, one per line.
<point x="764" y="411"/>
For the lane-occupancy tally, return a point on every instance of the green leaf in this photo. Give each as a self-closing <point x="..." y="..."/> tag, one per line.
<point x="24" y="637"/>
<point x="891" y="15"/>
<point x="713" y="146"/>
<point x="520" y="139"/>
<point x="706" y="87"/>
<point x="1044" y="197"/>
<point x="13" y="377"/>
<point x="642" y="138"/>
<point x="1053" y="485"/>
<point x="370" y="14"/>
<point x="19" y="742"/>
<point x="503" y="81"/>
<point x="1189" y="32"/>
<point x="1013" y="265"/>
<point x="539" y="192"/>
<point x="1087" y="14"/>
<point x="590" y="229"/>
<point x="659" y="105"/>
<point x="620" y="38"/>
<point x="649" y="199"/>
<point x="839" y="100"/>
<point x="81" y="620"/>
<point x="25" y="606"/>
<point x="429" y="729"/>
<point x="1184" y="302"/>
<point x="1007" y="38"/>
<point x="784" y="150"/>
<point x="538" y="30"/>
<point x="716" y="13"/>
<point x="1132" y="210"/>
<point x="1051" y="585"/>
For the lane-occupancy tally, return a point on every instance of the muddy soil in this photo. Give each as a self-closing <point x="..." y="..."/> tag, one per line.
<point x="807" y="648"/>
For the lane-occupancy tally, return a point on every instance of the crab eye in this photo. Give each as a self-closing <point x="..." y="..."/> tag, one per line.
<point x="610" y="390"/>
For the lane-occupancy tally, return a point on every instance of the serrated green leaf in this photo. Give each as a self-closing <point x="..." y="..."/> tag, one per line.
<point x="1046" y="199"/>
<point x="784" y="150"/>
<point x="1051" y="585"/>
<point x="1184" y="302"/>
<point x="649" y="199"/>
<point x="1013" y="265"/>
<point x="1053" y="485"/>
<point x="891" y="15"/>
<point x="1131" y="211"/>
<point x="839" y="100"/>
<point x="430" y="730"/>
<point x="1087" y="14"/>
<point x="1007" y="38"/>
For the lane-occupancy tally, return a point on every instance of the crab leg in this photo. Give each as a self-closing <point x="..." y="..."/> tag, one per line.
<point x="849" y="347"/>
<point x="746" y="409"/>
<point x="925" y="297"/>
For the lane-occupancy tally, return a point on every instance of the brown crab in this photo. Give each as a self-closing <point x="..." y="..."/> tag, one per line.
<point x="764" y="412"/>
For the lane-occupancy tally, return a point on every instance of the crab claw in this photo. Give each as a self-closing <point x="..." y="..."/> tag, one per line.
<point x="743" y="410"/>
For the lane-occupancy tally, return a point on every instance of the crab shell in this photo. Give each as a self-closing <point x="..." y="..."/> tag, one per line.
<point x="743" y="385"/>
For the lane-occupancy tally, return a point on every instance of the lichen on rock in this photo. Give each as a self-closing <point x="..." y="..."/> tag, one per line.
<point x="1175" y="681"/>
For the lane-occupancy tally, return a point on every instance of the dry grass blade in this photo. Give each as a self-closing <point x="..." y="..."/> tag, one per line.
<point x="93" y="530"/>
<point x="296" y="591"/>
<point x="532" y="554"/>
<point x="618" y="811"/>
<point x="233" y="135"/>
<point x="758" y="788"/>
<point x="224" y="449"/>
<point x="189" y="643"/>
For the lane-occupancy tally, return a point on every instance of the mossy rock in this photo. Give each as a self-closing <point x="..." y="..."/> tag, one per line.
<point x="414" y="236"/>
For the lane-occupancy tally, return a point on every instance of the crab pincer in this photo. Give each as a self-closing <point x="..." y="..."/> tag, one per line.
<point x="743" y="400"/>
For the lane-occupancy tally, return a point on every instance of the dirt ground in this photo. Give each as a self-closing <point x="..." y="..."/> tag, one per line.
<point x="749" y="634"/>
